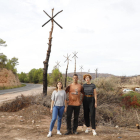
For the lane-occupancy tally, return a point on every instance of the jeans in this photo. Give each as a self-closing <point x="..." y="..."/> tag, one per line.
<point x="89" y="108"/>
<point x="70" y="110"/>
<point x="57" y="110"/>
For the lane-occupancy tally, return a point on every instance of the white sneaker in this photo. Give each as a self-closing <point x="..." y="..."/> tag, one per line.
<point x="58" y="132"/>
<point x="49" y="134"/>
<point x="87" y="130"/>
<point x="94" y="133"/>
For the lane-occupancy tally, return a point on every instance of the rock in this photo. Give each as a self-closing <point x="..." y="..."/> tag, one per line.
<point x="116" y="126"/>
<point x="33" y="121"/>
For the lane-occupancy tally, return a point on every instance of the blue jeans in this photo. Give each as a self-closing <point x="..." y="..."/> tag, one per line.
<point x="57" y="110"/>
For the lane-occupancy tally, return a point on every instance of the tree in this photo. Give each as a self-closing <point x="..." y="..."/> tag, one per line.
<point x="3" y="58"/>
<point x="22" y="77"/>
<point x="3" y="43"/>
<point x="31" y="74"/>
<point x="55" y="76"/>
<point x="11" y="64"/>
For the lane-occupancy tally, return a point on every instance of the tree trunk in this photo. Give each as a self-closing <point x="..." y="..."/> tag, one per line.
<point x="66" y="75"/>
<point x="46" y="62"/>
<point x="75" y="67"/>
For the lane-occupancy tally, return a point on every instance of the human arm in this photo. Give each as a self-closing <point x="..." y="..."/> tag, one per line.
<point x="65" y="98"/>
<point x="83" y="94"/>
<point x="52" y="103"/>
<point x="65" y="106"/>
<point x="67" y="91"/>
<point x="95" y="96"/>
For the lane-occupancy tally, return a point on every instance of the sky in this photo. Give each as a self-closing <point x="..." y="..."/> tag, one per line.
<point x="105" y="33"/>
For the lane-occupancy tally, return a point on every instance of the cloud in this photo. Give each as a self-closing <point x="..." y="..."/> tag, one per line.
<point x="84" y="30"/>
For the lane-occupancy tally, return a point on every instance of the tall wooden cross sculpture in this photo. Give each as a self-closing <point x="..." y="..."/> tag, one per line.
<point x="46" y="62"/>
<point x="75" y="60"/>
<point x="57" y="66"/>
<point x="67" y="59"/>
<point x="96" y="71"/>
<point x="81" y="67"/>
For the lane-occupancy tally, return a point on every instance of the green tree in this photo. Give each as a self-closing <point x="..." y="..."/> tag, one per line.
<point x="55" y="76"/>
<point x="31" y="74"/>
<point x="11" y="64"/>
<point x="37" y="74"/>
<point x="3" y="59"/>
<point x="3" y="43"/>
<point x="22" y="77"/>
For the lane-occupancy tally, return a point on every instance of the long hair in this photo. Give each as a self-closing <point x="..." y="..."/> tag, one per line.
<point x="57" y="87"/>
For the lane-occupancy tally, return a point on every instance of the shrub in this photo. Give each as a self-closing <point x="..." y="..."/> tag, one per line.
<point x="131" y="99"/>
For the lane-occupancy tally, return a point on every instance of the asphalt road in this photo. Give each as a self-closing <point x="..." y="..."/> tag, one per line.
<point x="26" y="88"/>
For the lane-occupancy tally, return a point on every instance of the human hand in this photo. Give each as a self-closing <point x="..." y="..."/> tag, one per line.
<point x="51" y="110"/>
<point x="65" y="110"/>
<point x="95" y="105"/>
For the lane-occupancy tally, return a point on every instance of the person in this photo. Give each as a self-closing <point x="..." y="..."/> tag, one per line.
<point x="74" y="103"/>
<point x="89" y="103"/>
<point x="58" y="106"/>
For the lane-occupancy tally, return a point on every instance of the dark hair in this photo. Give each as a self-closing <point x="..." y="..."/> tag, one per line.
<point x="57" y="87"/>
<point x="75" y="75"/>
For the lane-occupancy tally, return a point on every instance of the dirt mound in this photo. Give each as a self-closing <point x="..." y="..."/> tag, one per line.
<point x="8" y="79"/>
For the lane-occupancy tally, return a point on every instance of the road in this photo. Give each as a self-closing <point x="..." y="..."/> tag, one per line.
<point x="21" y="89"/>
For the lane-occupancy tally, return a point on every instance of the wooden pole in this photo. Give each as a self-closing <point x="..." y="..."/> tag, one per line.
<point x="45" y="70"/>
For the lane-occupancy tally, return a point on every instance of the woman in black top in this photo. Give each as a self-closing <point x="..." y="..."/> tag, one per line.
<point x="89" y="103"/>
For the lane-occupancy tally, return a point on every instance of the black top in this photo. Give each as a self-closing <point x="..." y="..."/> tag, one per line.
<point x="89" y="89"/>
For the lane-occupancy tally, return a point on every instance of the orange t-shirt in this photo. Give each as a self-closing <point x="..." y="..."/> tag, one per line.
<point x="74" y="91"/>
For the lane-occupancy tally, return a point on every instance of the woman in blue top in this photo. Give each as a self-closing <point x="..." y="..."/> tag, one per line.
<point x="58" y="106"/>
<point x="89" y="103"/>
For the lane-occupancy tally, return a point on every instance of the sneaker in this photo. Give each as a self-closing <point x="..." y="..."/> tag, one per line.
<point x="94" y="133"/>
<point x="87" y="130"/>
<point x="58" y="132"/>
<point x="68" y="132"/>
<point x="49" y="134"/>
<point x="75" y="132"/>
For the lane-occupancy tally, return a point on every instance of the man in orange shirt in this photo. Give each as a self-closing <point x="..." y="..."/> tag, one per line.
<point x="74" y="103"/>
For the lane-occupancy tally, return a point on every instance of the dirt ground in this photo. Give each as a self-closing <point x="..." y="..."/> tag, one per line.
<point x="33" y="123"/>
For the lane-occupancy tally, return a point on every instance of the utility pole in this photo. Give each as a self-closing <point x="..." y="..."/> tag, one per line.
<point x="67" y="59"/>
<point x="46" y="62"/>
<point x="81" y="68"/>
<point x="75" y="60"/>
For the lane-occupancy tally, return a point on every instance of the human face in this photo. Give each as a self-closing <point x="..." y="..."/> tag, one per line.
<point x="75" y="79"/>
<point x="59" y="85"/>
<point x="87" y="79"/>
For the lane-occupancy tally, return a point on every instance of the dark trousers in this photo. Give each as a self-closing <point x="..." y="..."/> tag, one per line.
<point x="89" y="108"/>
<point x="70" y="110"/>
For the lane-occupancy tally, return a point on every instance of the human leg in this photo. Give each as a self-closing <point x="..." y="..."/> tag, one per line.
<point x="86" y="111"/>
<point x="54" y="117"/>
<point x="69" y="115"/>
<point x="60" y="114"/>
<point x="76" y="115"/>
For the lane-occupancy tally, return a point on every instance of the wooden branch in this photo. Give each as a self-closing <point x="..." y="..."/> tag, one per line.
<point x="52" y="18"/>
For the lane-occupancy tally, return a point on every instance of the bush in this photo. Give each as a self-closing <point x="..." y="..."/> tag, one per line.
<point x="131" y="100"/>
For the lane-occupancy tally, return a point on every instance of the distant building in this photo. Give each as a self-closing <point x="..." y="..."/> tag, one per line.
<point x="1" y="54"/>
